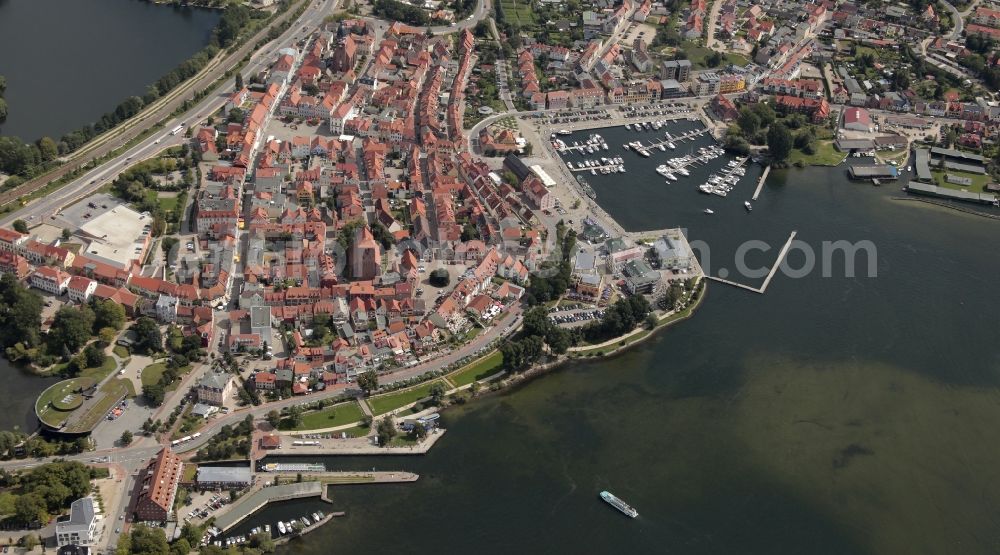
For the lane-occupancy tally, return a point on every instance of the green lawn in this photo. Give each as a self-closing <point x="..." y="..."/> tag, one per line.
<point x="518" y="11"/>
<point x="357" y="431"/>
<point x="391" y="401"/>
<point x="826" y="155"/>
<point x="979" y="181"/>
<point x="336" y="415"/>
<point x="403" y="440"/>
<point x="121" y="351"/>
<point x="167" y="203"/>
<point x="152" y="374"/>
<point x="102" y="371"/>
<point x="477" y="370"/>
<point x="698" y="53"/>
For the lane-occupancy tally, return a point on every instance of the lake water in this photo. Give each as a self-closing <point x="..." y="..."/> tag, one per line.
<point x="17" y="404"/>
<point x="831" y="415"/>
<point x="68" y="62"/>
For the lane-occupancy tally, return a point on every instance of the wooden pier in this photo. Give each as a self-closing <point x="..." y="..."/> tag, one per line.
<point x="760" y="184"/>
<point x="767" y="280"/>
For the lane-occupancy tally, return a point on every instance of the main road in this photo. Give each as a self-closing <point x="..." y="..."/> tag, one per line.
<point x="46" y="207"/>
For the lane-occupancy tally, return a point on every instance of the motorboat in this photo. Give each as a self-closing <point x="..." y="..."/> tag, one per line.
<point x="709" y="211"/>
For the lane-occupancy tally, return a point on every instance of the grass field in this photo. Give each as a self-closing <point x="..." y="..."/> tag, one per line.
<point x="979" y="181"/>
<point x="167" y="202"/>
<point x="477" y="370"/>
<point x="518" y="11"/>
<point x="121" y="351"/>
<point x="392" y="401"/>
<point x="825" y="155"/>
<point x="698" y="54"/>
<point x="357" y="431"/>
<point x="102" y="371"/>
<point x="152" y="374"/>
<point x="336" y="415"/>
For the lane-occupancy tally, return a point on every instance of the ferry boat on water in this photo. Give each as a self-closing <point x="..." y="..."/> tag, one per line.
<point x="617" y="503"/>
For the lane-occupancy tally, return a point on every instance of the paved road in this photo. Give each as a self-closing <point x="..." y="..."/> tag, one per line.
<point x="43" y="209"/>
<point x="713" y="16"/>
<point x="481" y="11"/>
<point x="956" y="19"/>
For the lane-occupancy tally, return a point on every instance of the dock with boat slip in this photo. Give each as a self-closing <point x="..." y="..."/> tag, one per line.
<point x="250" y="504"/>
<point x="767" y="280"/>
<point x="314" y="486"/>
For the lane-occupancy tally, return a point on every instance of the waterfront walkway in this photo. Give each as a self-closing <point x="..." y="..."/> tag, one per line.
<point x="356" y="446"/>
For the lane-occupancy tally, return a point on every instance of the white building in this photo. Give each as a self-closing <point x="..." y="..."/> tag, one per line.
<point x="80" y="527"/>
<point x="80" y="289"/>
<point x="51" y="280"/>
<point x="166" y="308"/>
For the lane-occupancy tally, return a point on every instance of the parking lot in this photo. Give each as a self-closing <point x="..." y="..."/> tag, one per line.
<point x="574" y="315"/>
<point x="87" y="209"/>
<point x="202" y="505"/>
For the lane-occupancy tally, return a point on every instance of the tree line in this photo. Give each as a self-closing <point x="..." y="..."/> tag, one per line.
<point x="554" y="276"/>
<point x="34" y="496"/>
<point x="398" y="11"/>
<point x="72" y="329"/>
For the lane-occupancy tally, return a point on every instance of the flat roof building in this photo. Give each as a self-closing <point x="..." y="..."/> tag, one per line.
<point x="80" y="526"/>
<point x="118" y="237"/>
<point x="223" y="476"/>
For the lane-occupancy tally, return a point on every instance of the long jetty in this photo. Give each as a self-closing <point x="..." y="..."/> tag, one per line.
<point x="767" y="280"/>
<point x="760" y="184"/>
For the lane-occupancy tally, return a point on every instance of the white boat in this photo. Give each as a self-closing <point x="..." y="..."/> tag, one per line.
<point x="709" y="211"/>
<point x="671" y="176"/>
<point x="909" y="168"/>
<point x="628" y="126"/>
<point x="683" y="171"/>
<point x="626" y="146"/>
<point x="267" y="529"/>
<point x="593" y="171"/>
<point x="662" y="148"/>
<point x="569" y="165"/>
<point x="617" y="503"/>
<point x="564" y="132"/>
<point x="281" y="527"/>
<point x="671" y="145"/>
<point x="746" y="204"/>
